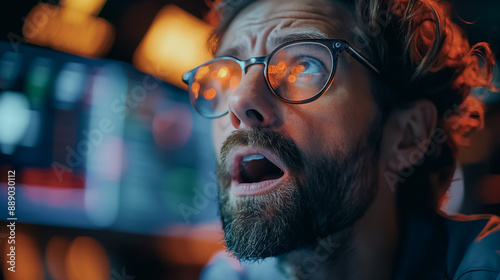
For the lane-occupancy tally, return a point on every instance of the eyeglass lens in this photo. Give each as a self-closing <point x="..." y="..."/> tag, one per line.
<point x="295" y="72"/>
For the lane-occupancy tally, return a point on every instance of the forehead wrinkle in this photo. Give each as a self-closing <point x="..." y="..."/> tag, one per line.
<point x="307" y="20"/>
<point x="277" y="39"/>
<point x="238" y="47"/>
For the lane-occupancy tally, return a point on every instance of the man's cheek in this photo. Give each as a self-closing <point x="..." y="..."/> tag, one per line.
<point x="220" y="132"/>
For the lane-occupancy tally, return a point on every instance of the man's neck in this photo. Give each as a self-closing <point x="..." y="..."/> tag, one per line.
<point x="365" y="251"/>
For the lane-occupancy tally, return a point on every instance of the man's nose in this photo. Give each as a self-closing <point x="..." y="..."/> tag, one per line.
<point x="252" y="103"/>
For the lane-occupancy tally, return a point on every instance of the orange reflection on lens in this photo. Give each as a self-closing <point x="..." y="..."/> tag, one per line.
<point x="281" y="66"/>
<point x="292" y="79"/>
<point x="201" y="72"/>
<point x="195" y="87"/>
<point x="234" y="82"/>
<point x="223" y="73"/>
<point x="273" y="69"/>
<point x="301" y="68"/>
<point x="214" y="74"/>
<point x="209" y="94"/>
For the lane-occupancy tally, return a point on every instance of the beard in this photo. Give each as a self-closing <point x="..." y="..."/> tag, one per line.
<point x="326" y="195"/>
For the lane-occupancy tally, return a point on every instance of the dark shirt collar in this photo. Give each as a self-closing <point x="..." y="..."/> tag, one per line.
<point x="422" y="250"/>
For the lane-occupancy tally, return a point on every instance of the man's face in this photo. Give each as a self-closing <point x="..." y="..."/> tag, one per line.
<point x="290" y="174"/>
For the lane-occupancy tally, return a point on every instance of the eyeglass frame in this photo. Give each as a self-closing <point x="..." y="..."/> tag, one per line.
<point x="335" y="46"/>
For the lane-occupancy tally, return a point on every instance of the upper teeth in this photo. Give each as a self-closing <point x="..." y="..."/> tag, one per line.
<point x="252" y="157"/>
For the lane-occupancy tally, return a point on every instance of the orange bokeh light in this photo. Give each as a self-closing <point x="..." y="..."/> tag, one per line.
<point x="71" y="27"/>
<point x="87" y="259"/>
<point x="201" y="72"/>
<point x="214" y="74"/>
<point x="195" y="87"/>
<point x="224" y="73"/>
<point x="174" y="44"/>
<point x="234" y="82"/>
<point x="90" y="7"/>
<point x="281" y="66"/>
<point x="28" y="260"/>
<point x="273" y="69"/>
<point x="292" y="79"/>
<point x="209" y="94"/>
<point x="301" y="68"/>
<point x="55" y="256"/>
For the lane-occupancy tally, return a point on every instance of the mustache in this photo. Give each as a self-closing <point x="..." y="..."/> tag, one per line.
<point x="282" y="146"/>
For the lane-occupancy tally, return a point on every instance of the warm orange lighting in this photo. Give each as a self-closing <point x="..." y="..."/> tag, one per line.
<point x="28" y="260"/>
<point x="195" y="87"/>
<point x="234" y="82"/>
<point x="209" y="94"/>
<point x="201" y="72"/>
<point x="292" y="79"/>
<point x="281" y="66"/>
<point x="71" y="27"/>
<point x="191" y="245"/>
<point x="174" y="44"/>
<point x="89" y="7"/>
<point x="214" y="74"/>
<point x="223" y="73"/>
<point x="273" y="69"/>
<point x="301" y="68"/>
<point x="55" y="256"/>
<point x="87" y="259"/>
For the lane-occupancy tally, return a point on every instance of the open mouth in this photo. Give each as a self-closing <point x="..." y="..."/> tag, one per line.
<point x="256" y="171"/>
<point x="257" y="168"/>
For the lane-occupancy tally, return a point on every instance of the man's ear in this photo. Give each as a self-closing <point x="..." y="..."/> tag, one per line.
<point x="408" y="133"/>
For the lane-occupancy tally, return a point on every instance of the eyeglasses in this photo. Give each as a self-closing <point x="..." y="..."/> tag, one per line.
<point x="296" y="72"/>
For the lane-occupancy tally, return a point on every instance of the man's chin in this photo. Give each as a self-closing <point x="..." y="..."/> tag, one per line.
<point x="261" y="226"/>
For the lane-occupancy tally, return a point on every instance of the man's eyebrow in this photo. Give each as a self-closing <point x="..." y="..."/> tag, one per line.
<point x="274" y="41"/>
<point x="233" y="51"/>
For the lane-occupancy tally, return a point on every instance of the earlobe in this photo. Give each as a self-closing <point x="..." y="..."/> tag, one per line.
<point x="412" y="129"/>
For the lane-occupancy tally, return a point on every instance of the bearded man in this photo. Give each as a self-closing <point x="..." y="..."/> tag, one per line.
<point x="337" y="125"/>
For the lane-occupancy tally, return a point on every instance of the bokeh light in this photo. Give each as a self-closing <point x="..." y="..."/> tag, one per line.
<point x="28" y="259"/>
<point x="209" y="94"/>
<point x="174" y="44"/>
<point x="14" y="118"/>
<point x="38" y="79"/>
<point x="10" y="66"/>
<point x="86" y="260"/>
<point x="172" y="128"/>
<point x="223" y="73"/>
<point x="71" y="27"/>
<point x="70" y="85"/>
<point x="55" y="257"/>
<point x="193" y="245"/>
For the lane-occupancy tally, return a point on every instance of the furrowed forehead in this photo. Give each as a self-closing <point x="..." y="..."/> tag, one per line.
<point x="275" y="40"/>
<point x="275" y="22"/>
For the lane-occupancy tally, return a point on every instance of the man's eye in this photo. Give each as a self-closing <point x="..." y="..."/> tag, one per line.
<point x="310" y="66"/>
